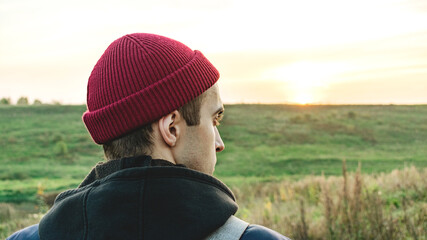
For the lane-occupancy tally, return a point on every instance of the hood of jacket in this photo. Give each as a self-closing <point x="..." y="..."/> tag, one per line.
<point x="140" y="201"/>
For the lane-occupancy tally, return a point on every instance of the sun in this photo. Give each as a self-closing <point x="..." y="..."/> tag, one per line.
<point x="305" y="80"/>
<point x="303" y="98"/>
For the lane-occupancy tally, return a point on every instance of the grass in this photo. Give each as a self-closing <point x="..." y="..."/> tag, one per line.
<point x="287" y="140"/>
<point x="48" y="147"/>
<point x="351" y="206"/>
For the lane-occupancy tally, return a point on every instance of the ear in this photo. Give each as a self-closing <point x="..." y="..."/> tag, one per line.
<point x="169" y="129"/>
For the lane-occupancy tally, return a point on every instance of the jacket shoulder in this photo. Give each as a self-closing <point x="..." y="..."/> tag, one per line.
<point x="257" y="232"/>
<point x="28" y="233"/>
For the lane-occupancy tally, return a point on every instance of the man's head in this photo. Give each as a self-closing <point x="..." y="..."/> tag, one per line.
<point x="149" y="94"/>
<point x="194" y="146"/>
<point x="187" y="136"/>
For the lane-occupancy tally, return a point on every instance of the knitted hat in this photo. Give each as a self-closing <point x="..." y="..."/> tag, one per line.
<point x="140" y="78"/>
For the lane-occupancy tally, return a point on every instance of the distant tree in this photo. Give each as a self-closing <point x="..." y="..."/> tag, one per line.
<point x="56" y="102"/>
<point x="5" y="101"/>
<point x="37" y="102"/>
<point x="22" y="101"/>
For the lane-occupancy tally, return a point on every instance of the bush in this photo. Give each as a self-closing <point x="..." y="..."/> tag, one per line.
<point x="22" y="101"/>
<point x="6" y="212"/>
<point x="5" y="101"/>
<point x="61" y="149"/>
<point x="351" y="115"/>
<point x="37" y="102"/>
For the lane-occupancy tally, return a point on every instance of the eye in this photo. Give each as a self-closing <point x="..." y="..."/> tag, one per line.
<point x="218" y="118"/>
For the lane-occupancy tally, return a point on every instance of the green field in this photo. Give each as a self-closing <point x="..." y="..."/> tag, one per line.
<point x="47" y="148"/>
<point x="49" y="145"/>
<point x="284" y="140"/>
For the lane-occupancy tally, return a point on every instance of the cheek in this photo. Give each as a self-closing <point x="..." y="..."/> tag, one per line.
<point x="208" y="136"/>
<point x="211" y="136"/>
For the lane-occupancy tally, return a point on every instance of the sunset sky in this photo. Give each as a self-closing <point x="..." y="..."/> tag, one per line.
<point x="284" y="51"/>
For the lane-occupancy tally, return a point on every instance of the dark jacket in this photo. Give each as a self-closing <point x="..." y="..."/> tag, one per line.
<point x="141" y="198"/>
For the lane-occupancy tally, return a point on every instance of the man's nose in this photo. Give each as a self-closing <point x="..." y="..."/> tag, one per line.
<point x="219" y="144"/>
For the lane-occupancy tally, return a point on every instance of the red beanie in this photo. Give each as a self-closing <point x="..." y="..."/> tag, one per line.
<point x="140" y="78"/>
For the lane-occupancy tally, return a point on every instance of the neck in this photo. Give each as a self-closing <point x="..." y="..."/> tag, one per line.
<point x="162" y="153"/>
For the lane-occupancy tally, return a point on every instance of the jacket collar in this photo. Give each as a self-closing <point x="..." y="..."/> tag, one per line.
<point x="140" y="201"/>
<point x="103" y="169"/>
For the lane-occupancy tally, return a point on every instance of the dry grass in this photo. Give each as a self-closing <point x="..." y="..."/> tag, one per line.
<point x="12" y="219"/>
<point x="352" y="206"/>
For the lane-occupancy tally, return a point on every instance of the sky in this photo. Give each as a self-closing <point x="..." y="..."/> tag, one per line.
<point x="270" y="51"/>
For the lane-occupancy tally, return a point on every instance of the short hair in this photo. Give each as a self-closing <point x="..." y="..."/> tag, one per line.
<point x="140" y="141"/>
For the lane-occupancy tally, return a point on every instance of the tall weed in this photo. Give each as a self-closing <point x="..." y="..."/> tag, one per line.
<point x="353" y="206"/>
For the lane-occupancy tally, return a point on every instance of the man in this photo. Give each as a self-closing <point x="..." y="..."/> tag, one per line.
<point x="154" y="105"/>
